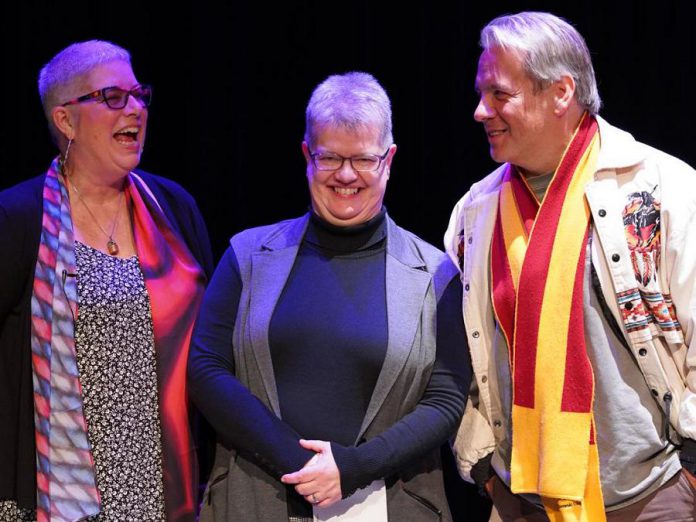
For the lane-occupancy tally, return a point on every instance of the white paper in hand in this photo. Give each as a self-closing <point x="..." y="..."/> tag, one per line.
<point x="365" y="505"/>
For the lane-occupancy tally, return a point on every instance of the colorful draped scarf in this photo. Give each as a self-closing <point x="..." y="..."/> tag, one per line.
<point x="66" y="487"/>
<point x="537" y="270"/>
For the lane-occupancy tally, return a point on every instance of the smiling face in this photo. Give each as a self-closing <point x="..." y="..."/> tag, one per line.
<point x="518" y="118"/>
<point x="106" y="141"/>
<point x="345" y="197"/>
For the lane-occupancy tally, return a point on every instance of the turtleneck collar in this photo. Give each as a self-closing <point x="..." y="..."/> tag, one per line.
<point x="364" y="236"/>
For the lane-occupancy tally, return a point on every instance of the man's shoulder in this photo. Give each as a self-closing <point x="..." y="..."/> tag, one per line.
<point x="677" y="180"/>
<point x="649" y="159"/>
<point x="666" y="161"/>
<point x="643" y="168"/>
<point x="620" y="150"/>
<point x="485" y="187"/>
<point x="492" y="182"/>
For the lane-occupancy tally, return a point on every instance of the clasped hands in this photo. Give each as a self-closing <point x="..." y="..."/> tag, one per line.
<point x="319" y="481"/>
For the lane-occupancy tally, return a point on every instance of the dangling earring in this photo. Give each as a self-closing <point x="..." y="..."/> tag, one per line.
<point x="64" y="159"/>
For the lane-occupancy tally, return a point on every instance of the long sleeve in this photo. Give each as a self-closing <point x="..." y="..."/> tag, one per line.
<point x="241" y="420"/>
<point x="12" y="285"/>
<point x="681" y="262"/>
<point x="20" y="232"/>
<point x="434" y="419"/>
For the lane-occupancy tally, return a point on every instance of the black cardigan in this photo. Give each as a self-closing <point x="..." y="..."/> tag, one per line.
<point x="21" y="210"/>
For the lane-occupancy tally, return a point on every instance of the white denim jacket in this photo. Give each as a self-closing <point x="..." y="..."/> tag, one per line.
<point x="643" y="205"/>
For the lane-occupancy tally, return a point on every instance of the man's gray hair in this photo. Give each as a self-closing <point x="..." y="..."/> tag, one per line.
<point x="352" y="101"/>
<point x="550" y="48"/>
<point x="60" y="79"/>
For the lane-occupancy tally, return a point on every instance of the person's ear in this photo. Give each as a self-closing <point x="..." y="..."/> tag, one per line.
<point x="389" y="158"/>
<point x="563" y="93"/>
<point x="64" y="121"/>
<point x="305" y="152"/>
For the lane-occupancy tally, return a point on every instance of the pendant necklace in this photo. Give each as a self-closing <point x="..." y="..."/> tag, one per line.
<point x="111" y="245"/>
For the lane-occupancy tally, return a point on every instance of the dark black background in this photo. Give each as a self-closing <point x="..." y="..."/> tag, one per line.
<point x="231" y="83"/>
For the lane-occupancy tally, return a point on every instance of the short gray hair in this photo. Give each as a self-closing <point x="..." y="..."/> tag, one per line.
<point x="60" y="78"/>
<point x="352" y="101"/>
<point x="550" y="48"/>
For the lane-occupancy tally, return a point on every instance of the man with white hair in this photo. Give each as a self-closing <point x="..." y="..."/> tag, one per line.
<point x="578" y="261"/>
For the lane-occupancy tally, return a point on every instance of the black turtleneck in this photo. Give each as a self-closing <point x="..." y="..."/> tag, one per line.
<point x="328" y="334"/>
<point x="328" y="338"/>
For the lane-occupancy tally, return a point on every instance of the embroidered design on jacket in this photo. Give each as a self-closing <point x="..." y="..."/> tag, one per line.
<point x="649" y="314"/>
<point x="641" y="218"/>
<point x="646" y="311"/>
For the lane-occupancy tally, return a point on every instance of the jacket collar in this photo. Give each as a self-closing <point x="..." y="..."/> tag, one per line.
<point x="397" y="245"/>
<point x="618" y="148"/>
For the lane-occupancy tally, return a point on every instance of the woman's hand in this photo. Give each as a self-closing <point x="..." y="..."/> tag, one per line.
<point x="319" y="481"/>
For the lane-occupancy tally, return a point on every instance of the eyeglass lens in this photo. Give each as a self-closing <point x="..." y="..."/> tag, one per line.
<point x="117" y="98"/>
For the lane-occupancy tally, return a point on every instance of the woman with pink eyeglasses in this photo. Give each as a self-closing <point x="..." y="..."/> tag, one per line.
<point x="103" y="271"/>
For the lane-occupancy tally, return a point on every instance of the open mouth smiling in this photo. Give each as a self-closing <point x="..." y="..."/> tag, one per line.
<point x="127" y="135"/>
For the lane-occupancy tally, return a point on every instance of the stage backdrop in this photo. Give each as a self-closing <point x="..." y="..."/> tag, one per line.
<point x="231" y="83"/>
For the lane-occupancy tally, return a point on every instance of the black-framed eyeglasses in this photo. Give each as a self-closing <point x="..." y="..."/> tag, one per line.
<point x="333" y="161"/>
<point x="115" y="97"/>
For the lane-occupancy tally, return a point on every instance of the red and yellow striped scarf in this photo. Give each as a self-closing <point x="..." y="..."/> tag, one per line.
<point x="537" y="271"/>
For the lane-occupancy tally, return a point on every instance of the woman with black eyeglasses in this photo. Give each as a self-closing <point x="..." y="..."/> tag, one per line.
<point x="329" y="353"/>
<point x="101" y="277"/>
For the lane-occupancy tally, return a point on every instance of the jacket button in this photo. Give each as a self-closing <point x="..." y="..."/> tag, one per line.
<point x="602" y="212"/>
<point x="466" y="287"/>
<point x="475" y="335"/>
<point x="469" y="240"/>
<point x="629" y="306"/>
<point x="497" y="424"/>
<point x="642" y="352"/>
<point x="484" y="379"/>
<point x="615" y="258"/>
<point x="654" y="392"/>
